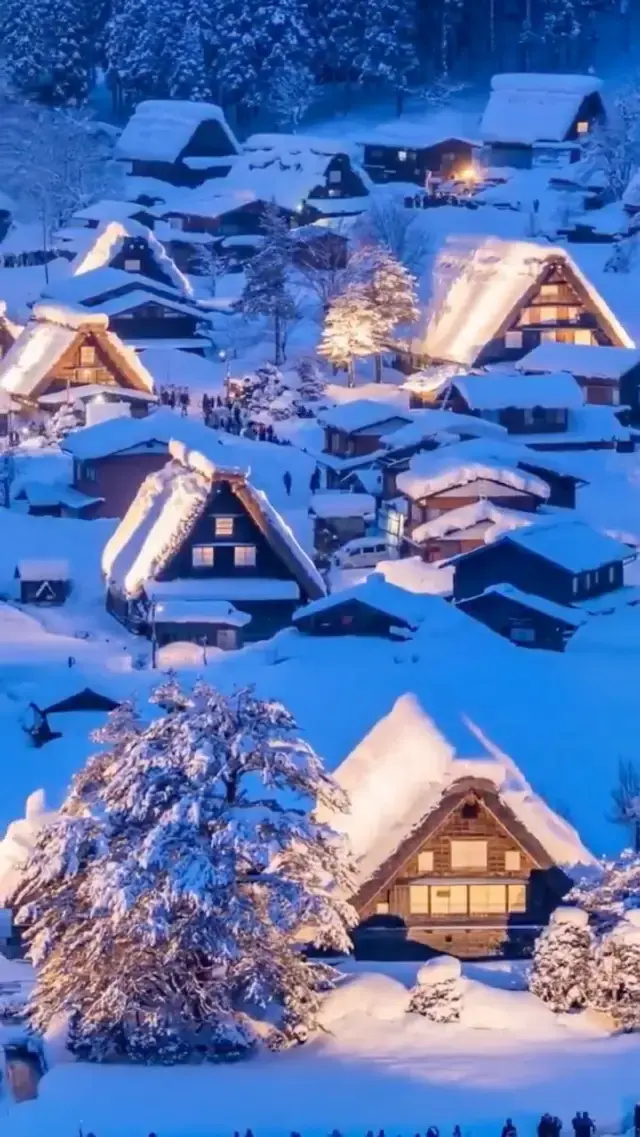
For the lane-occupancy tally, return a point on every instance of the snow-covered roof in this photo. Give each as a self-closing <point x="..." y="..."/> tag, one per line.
<point x="184" y="368"/>
<point x="490" y="520"/>
<point x="107" y="209"/>
<point x="498" y="390"/>
<point x="48" y="335"/>
<point x="374" y="592"/>
<point x="478" y="284"/>
<point x="109" y="239"/>
<point x="335" y="503"/>
<point x="122" y="434"/>
<point x="84" y="287"/>
<point x="631" y="196"/>
<point x="362" y="414"/>
<point x="87" y="392"/>
<point x="159" y="129"/>
<point x="557" y="611"/>
<point x="168" y="505"/>
<point x="436" y="470"/>
<point x="36" y="570"/>
<point x="589" y="361"/>
<point x="199" y="612"/>
<point x="399" y="772"/>
<point x="573" y="544"/>
<point x="528" y="108"/>
<point x="412" y="135"/>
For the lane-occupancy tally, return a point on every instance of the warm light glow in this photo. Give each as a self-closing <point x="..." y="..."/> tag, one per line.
<point x="469" y="174"/>
<point x="583" y="128"/>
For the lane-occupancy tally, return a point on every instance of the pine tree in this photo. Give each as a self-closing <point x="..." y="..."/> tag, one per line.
<point x="337" y="34"/>
<point x="562" y="969"/>
<point x="47" y="50"/>
<point x="607" y="893"/>
<point x="253" y="44"/>
<point x="393" y="295"/>
<point x="438" y="991"/>
<point x="171" y="889"/>
<point x="353" y="329"/>
<point x="617" y="972"/>
<point x="267" y="291"/>
<point x="292" y="91"/>
<point x="189" y="79"/>
<point x="389" y="55"/>
<point x="311" y="382"/>
<point x="129" y="56"/>
<point x="69" y="53"/>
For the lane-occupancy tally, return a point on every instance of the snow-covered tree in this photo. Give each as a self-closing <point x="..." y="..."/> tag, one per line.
<point x="252" y="45"/>
<point x="170" y="894"/>
<point x="47" y="50"/>
<point x="263" y="395"/>
<point x="292" y="91"/>
<point x="267" y="291"/>
<point x="562" y="28"/>
<point x="438" y="991"/>
<point x="393" y="295"/>
<point x="311" y="382"/>
<point x="388" y="54"/>
<point x="403" y="232"/>
<point x="130" y="62"/>
<point x="208" y="264"/>
<point x="563" y="961"/>
<point x="337" y="37"/>
<point x="189" y="78"/>
<point x="353" y="329"/>
<point x="609" y="891"/>
<point x="614" y="146"/>
<point x="616" y="988"/>
<point x="626" y="801"/>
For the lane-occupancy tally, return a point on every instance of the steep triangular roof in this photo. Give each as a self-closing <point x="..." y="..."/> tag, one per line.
<point x="50" y="334"/>
<point x="160" y="129"/>
<point x="478" y="287"/>
<point x="166" y="509"/>
<point x="108" y="241"/>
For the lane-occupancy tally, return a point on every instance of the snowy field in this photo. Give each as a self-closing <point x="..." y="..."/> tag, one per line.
<point x="372" y="1066"/>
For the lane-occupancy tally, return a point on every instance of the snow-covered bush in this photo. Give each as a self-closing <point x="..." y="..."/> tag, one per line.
<point x="608" y="892"/>
<point x="438" y="991"/>
<point x="171" y="891"/>
<point x="616" y="987"/>
<point x="562" y="967"/>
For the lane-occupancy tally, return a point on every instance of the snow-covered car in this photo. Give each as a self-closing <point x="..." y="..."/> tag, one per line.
<point x="363" y="552"/>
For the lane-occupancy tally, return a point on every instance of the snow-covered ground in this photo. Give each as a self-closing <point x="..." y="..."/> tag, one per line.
<point x="371" y="1066"/>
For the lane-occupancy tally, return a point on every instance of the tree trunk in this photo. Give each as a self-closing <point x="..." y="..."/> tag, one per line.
<point x="278" y="339"/>
<point x="378" y="368"/>
<point x="636" y="836"/>
<point x="351" y="373"/>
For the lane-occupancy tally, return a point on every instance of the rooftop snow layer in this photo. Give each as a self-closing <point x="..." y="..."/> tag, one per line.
<point x="36" y="570"/>
<point x="588" y="361"/>
<point x="436" y="470"/>
<point x="412" y="135"/>
<point x="498" y="390"/>
<point x="86" y="286"/>
<point x="109" y="239"/>
<point x="339" y="504"/>
<point x="374" y="592"/>
<point x="557" y="611"/>
<point x="200" y="612"/>
<point x="159" y="129"/>
<point x="478" y="283"/>
<point x="490" y="519"/>
<point x="362" y="414"/>
<point x="534" y="108"/>
<point x="573" y="545"/>
<point x="119" y="434"/>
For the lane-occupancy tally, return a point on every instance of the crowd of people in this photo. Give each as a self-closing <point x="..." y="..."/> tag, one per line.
<point x="549" y="1126"/>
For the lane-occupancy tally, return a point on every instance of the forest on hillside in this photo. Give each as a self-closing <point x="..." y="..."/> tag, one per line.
<point x="281" y="55"/>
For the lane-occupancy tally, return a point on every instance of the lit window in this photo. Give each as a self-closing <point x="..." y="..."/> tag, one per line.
<point x="512" y="860"/>
<point x="227" y="639"/>
<point x="549" y="315"/>
<point x="583" y="336"/>
<point x="419" y="898"/>
<point x="528" y="417"/>
<point x="615" y="397"/>
<point x="85" y="375"/>
<point x="587" y="580"/>
<point x="468" y="854"/>
<point x="402" y="155"/>
<point x="517" y="897"/>
<point x="513" y="339"/>
<point x="548" y="337"/>
<point x="382" y="908"/>
<point x="87" y="356"/>
<point x="244" y="556"/>
<point x="202" y="556"/>
<point x="612" y="574"/>
<point x="425" y="862"/>
<point x="132" y="266"/>
<point x="335" y="176"/>
<point x="451" y="901"/>
<point x="549" y="291"/>
<point x="574" y="585"/>
<point x="485" y="899"/>
<point x="582" y="127"/>
<point x="224" y="526"/>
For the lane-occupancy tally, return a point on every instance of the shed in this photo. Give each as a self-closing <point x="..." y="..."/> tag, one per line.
<point x="522" y="404"/>
<point x="373" y="608"/>
<point x="213" y="623"/>
<point x="43" y="582"/>
<point x="176" y="141"/>
<point x="524" y="618"/>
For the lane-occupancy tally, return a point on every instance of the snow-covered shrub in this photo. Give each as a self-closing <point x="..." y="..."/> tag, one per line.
<point x="608" y="892"/>
<point x="616" y="987"/>
<point x="438" y="991"/>
<point x="172" y="888"/>
<point x="562" y="967"/>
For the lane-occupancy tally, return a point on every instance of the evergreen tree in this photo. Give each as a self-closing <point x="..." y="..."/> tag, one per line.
<point x="47" y="50"/>
<point x="438" y="991"/>
<point x="69" y="53"/>
<point x="253" y="45"/>
<point x="337" y="38"/>
<point x="389" y="55"/>
<point x="172" y="888"/>
<point x="393" y="295"/>
<point x="353" y="329"/>
<point x="563" y="961"/>
<point x="311" y="382"/>
<point x="267" y="291"/>
<point x="607" y="893"/>
<point x="129" y="55"/>
<point x="616" y="987"/>
<point x="189" y="79"/>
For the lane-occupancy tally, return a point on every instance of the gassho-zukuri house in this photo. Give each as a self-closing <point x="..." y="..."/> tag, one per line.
<point x="454" y="850"/>
<point x="202" y="556"/>
<point x="488" y="301"/>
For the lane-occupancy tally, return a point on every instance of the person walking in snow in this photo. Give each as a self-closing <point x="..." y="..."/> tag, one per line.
<point x="171" y="398"/>
<point x="288" y="482"/>
<point x="509" y="1129"/>
<point x="557" y="1126"/>
<point x="206" y="406"/>
<point x="184" y="401"/>
<point x="588" y="1125"/>
<point x="314" y="482"/>
<point x="433" y="1131"/>
<point x="457" y="1132"/>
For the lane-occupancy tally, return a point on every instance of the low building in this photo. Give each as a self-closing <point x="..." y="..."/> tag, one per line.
<point x="339" y="517"/>
<point x="63" y="352"/>
<point x="566" y="562"/>
<point x="522" y="405"/>
<point x="373" y="608"/>
<point x="461" y="855"/>
<point x="199" y="532"/>
<point x="494" y="300"/>
<point x="43" y="582"/>
<point x="524" y="618"/>
<point x="52" y="499"/>
<point x="411" y="152"/>
<point x="179" y="142"/>
<point x="460" y="530"/>
<point x="353" y="434"/>
<point x="540" y="120"/>
<point x="212" y="623"/>
<point x="131" y="247"/>
<point x="609" y="376"/>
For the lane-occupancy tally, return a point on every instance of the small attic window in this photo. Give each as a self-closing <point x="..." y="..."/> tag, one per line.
<point x="470" y="809"/>
<point x="583" y="127"/>
<point x="131" y="265"/>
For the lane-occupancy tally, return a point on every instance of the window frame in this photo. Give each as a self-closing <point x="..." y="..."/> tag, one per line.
<point x="132" y="264"/>
<point x="202" y="563"/>
<point x="514" y="338"/>
<point x="415" y="891"/>
<point x="242" y="549"/>
<point x="89" y="350"/>
<point x="428" y="866"/>
<point x="456" y="846"/>
<point x="490" y="888"/>
<point x="512" y="853"/>
<point x="219" y="529"/>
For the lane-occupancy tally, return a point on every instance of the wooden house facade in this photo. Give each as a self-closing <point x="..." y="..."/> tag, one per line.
<point x="113" y="480"/>
<point x="524" y="618"/>
<point x="43" y="582"/>
<point x="182" y="143"/>
<point x="565" y="562"/>
<point x="353" y="434"/>
<point x="209" y="538"/>
<point x="607" y="376"/>
<point x="407" y="156"/>
<point x="373" y="608"/>
<point x="540" y="120"/>
<point x="470" y="880"/>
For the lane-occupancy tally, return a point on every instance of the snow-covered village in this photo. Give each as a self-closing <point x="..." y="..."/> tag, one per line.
<point x="320" y="568"/>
